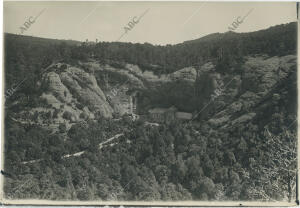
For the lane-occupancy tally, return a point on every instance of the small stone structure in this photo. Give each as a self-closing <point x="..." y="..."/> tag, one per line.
<point x="166" y="115"/>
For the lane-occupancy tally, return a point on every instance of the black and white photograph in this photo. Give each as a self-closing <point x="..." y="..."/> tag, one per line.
<point x="149" y="103"/>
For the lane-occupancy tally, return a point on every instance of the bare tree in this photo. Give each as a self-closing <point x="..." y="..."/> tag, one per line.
<point x="278" y="175"/>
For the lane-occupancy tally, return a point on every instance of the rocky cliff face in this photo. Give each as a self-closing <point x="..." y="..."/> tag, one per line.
<point x="71" y="94"/>
<point x="74" y="87"/>
<point x="188" y="74"/>
<point x="257" y="84"/>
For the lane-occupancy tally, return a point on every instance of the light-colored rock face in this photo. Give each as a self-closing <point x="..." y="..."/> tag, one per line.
<point x="244" y="118"/>
<point x="76" y="90"/>
<point x="53" y="84"/>
<point x="188" y="73"/>
<point x="261" y="74"/>
<point x="74" y="86"/>
<point x="85" y="88"/>
<point x="134" y="68"/>
<point x="130" y="75"/>
<point x="259" y="77"/>
<point x="147" y="75"/>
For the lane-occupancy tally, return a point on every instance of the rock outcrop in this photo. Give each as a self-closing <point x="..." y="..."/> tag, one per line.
<point x="188" y="74"/>
<point x="260" y="75"/>
<point x="72" y="95"/>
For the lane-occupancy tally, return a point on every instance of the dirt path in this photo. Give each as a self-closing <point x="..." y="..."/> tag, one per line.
<point x="77" y="154"/>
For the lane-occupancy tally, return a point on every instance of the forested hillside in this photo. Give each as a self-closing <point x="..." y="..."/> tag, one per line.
<point x="240" y="144"/>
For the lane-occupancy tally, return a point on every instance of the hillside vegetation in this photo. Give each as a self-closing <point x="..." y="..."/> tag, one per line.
<point x="240" y="144"/>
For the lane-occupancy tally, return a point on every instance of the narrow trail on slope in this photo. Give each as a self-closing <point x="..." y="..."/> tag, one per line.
<point x="77" y="154"/>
